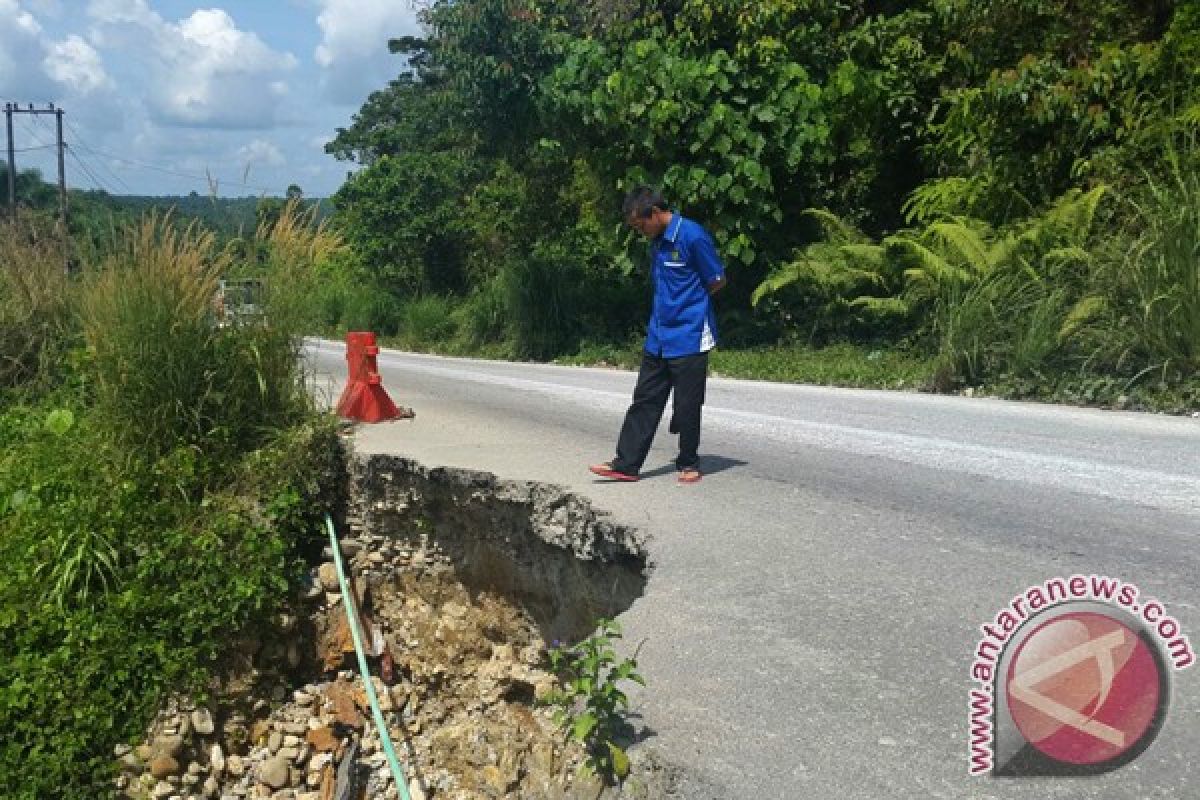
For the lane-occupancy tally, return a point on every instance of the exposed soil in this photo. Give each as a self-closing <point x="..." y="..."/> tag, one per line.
<point x="462" y="580"/>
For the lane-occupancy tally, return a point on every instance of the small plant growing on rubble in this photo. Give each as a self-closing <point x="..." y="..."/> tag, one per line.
<point x="590" y="702"/>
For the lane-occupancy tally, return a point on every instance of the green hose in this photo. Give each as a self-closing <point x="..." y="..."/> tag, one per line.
<point x="376" y="714"/>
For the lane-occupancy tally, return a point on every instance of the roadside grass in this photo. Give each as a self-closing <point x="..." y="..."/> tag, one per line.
<point x="846" y="365"/>
<point x="1100" y="391"/>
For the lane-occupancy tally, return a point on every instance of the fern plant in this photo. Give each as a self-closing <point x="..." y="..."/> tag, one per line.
<point x="844" y="276"/>
<point x="990" y="300"/>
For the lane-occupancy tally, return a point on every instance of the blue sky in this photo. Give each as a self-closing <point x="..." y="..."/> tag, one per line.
<point x="160" y="93"/>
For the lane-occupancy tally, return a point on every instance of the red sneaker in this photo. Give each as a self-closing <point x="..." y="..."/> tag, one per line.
<point x="606" y="471"/>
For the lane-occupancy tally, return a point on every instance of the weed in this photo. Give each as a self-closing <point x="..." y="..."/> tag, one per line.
<point x="590" y="705"/>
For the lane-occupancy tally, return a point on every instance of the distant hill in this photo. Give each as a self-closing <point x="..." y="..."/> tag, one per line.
<point x="228" y="216"/>
<point x="93" y="210"/>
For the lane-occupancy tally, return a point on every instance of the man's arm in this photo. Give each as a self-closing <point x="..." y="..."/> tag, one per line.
<point x="708" y="263"/>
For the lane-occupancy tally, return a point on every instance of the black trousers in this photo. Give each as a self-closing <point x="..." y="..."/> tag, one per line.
<point x="656" y="379"/>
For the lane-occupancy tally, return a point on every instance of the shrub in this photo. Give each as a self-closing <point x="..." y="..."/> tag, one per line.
<point x="481" y="318"/>
<point x="543" y="299"/>
<point x="370" y="309"/>
<point x="187" y="577"/>
<point x="427" y="321"/>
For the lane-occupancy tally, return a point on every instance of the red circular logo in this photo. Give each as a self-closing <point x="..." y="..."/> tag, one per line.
<point x="1084" y="688"/>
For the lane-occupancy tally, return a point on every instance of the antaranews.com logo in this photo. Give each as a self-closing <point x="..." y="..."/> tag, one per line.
<point x="1073" y="678"/>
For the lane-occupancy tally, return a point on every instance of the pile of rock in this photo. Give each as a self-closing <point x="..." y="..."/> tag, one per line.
<point x="292" y="754"/>
<point x="460" y="704"/>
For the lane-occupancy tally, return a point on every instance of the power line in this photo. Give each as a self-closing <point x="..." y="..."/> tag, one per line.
<point x="99" y="183"/>
<point x="144" y="165"/>
<point x="78" y="160"/>
<point x="41" y="123"/>
<point x="81" y="144"/>
<point x="176" y="173"/>
<point x="33" y="135"/>
<point x="95" y="180"/>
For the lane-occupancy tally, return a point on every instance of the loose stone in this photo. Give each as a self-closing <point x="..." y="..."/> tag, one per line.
<point x="216" y="760"/>
<point x="163" y="766"/>
<point x="202" y="721"/>
<point x="275" y="772"/>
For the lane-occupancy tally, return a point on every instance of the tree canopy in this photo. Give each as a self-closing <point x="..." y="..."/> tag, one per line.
<point x="514" y="126"/>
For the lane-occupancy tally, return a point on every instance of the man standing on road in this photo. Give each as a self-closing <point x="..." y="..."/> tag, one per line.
<point x="686" y="272"/>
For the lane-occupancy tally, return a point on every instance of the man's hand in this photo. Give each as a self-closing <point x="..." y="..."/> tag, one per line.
<point x="716" y="286"/>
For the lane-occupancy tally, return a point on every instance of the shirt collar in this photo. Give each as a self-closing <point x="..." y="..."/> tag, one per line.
<point x="672" y="231"/>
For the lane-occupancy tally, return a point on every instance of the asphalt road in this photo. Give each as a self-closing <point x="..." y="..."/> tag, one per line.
<point x="817" y="599"/>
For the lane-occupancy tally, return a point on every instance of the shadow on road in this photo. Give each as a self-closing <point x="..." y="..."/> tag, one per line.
<point x="709" y="465"/>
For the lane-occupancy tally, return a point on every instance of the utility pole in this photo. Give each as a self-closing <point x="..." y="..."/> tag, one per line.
<point x="12" y="167"/>
<point x="9" y="110"/>
<point x="62" y="179"/>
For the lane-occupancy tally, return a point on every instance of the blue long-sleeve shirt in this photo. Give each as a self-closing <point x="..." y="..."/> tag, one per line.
<point x="684" y="263"/>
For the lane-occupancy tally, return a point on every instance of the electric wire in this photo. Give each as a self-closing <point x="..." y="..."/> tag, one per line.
<point x="80" y="144"/>
<point x="95" y="180"/>
<point x="177" y="173"/>
<point x="208" y="181"/>
<point x="71" y="151"/>
<point x="29" y="132"/>
<point x="43" y="124"/>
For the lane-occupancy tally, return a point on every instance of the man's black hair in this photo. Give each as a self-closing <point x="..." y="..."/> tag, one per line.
<point x="642" y="201"/>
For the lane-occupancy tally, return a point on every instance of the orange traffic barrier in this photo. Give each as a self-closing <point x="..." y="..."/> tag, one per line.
<point x="364" y="398"/>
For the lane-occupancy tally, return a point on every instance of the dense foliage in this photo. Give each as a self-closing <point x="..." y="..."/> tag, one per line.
<point x="492" y="167"/>
<point x="161" y="477"/>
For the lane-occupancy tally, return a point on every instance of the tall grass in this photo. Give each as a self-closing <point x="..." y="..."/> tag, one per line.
<point x="1154" y="287"/>
<point x="163" y="373"/>
<point x="34" y="302"/>
<point x="299" y="252"/>
<point x="543" y="300"/>
<point x="964" y="326"/>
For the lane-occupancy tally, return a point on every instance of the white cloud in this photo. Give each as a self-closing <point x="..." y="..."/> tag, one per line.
<point x="22" y="47"/>
<point x="35" y="68"/>
<point x="263" y="152"/>
<point x="117" y="12"/>
<point x="76" y="64"/>
<point x="203" y="71"/>
<point x="353" y="49"/>
<point x="151" y="93"/>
